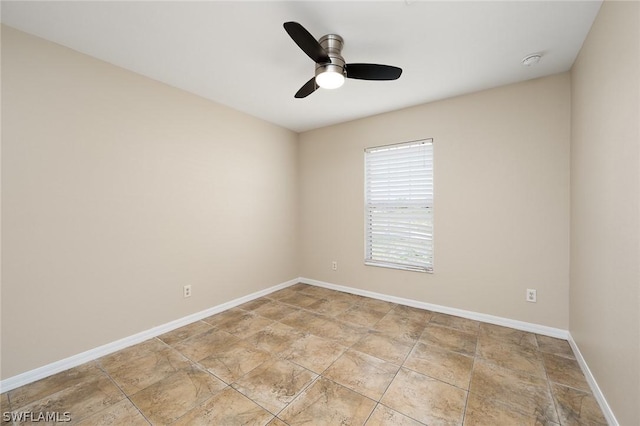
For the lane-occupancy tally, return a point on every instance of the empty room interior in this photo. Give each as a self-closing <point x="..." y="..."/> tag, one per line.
<point x="193" y="230"/>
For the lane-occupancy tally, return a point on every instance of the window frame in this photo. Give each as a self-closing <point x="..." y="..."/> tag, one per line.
<point x="428" y="204"/>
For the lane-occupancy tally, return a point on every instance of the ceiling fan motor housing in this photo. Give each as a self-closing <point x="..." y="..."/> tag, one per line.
<point x="332" y="44"/>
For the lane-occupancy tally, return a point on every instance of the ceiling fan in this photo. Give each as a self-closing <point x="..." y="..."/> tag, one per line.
<point x="331" y="69"/>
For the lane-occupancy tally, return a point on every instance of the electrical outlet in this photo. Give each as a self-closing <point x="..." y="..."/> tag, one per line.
<point x="531" y="295"/>
<point x="334" y="265"/>
<point x="186" y="291"/>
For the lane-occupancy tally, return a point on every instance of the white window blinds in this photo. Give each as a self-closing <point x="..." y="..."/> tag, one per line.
<point x="399" y="206"/>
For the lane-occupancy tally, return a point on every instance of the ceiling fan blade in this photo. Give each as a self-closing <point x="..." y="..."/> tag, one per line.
<point x="372" y="71"/>
<point x="306" y="42"/>
<point x="308" y="88"/>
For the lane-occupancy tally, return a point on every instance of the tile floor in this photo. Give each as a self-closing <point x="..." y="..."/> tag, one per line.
<point x="313" y="356"/>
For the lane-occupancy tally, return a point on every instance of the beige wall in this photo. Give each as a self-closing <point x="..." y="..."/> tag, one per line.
<point x="117" y="191"/>
<point x="501" y="201"/>
<point x="605" y="206"/>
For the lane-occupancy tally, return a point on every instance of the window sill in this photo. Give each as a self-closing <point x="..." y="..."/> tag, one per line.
<point x="399" y="266"/>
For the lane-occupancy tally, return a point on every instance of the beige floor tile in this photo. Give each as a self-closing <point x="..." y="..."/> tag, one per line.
<point x="275" y="310"/>
<point x="385" y="416"/>
<point x="42" y="388"/>
<point x="361" y="315"/>
<point x="415" y="314"/>
<point x="4" y="402"/>
<point x="376" y="304"/>
<point x="276" y="339"/>
<point x="299" y="300"/>
<point x="274" y="384"/>
<point x="427" y="400"/>
<point x="576" y="407"/>
<point x="185" y="332"/>
<point x="555" y="346"/>
<point x="230" y="363"/>
<point x="229" y="408"/>
<point x="326" y="403"/>
<point x="450" y="339"/>
<point x="166" y="400"/>
<point x="315" y="353"/>
<point x="325" y="326"/>
<point x="134" y="369"/>
<point x="365" y="374"/>
<point x="384" y="347"/>
<point x="317" y="292"/>
<point x="330" y="307"/>
<point x="246" y="325"/>
<point x="282" y="294"/>
<point x="138" y="350"/>
<point x="518" y="391"/>
<point x="565" y="371"/>
<point x="508" y="335"/>
<point x="276" y="422"/>
<point x="512" y="356"/>
<point x="81" y="400"/>
<point x="299" y="286"/>
<point x="302" y="320"/>
<point x="339" y="331"/>
<point x="121" y="413"/>
<point x="5" y="408"/>
<point x="458" y="323"/>
<point x="400" y="326"/>
<point x="263" y="359"/>
<point x="447" y="366"/>
<point x="223" y="317"/>
<point x="485" y="411"/>
<point x="205" y="344"/>
<point x="340" y="296"/>
<point x="252" y="305"/>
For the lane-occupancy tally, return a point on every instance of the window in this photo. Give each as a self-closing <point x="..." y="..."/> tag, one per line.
<point x="399" y="206"/>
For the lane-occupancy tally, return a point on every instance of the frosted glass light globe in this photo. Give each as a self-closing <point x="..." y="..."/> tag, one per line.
<point x="330" y="79"/>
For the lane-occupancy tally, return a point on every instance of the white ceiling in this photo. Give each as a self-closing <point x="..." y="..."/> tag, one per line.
<point x="238" y="54"/>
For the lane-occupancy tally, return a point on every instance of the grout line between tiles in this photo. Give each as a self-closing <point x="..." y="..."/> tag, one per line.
<point x="101" y="367"/>
<point x="548" y="380"/>
<point x="466" y="400"/>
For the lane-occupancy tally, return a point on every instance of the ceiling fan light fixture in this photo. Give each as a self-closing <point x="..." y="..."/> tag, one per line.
<point x="329" y="76"/>
<point x="331" y="69"/>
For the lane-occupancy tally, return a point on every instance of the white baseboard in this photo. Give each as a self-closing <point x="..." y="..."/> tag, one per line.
<point x="506" y="322"/>
<point x="92" y="354"/>
<point x="595" y="389"/>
